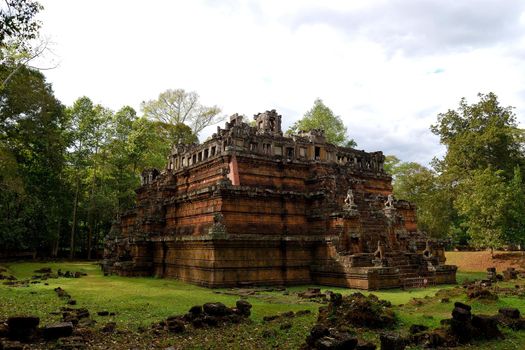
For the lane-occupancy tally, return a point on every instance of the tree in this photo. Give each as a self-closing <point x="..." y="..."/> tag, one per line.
<point x="422" y="186"/>
<point x="19" y="32"/>
<point x="88" y="126"/>
<point x="515" y="218"/>
<point x="478" y="173"/>
<point x="478" y="136"/>
<point x="322" y="117"/>
<point x="32" y="147"/>
<point x="390" y="164"/>
<point x="175" y="107"/>
<point x="17" y="21"/>
<point x="482" y="203"/>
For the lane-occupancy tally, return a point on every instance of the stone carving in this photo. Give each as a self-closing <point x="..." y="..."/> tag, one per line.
<point x="349" y="201"/>
<point x="380" y="252"/>
<point x="218" y="230"/>
<point x="389" y="201"/>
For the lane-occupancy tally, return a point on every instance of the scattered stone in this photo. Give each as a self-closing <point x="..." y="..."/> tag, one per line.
<point x="196" y="310"/>
<point x="74" y="315"/>
<point x="72" y="302"/>
<point x="392" y="342"/>
<point x="61" y="293"/>
<point x="359" y="310"/>
<point x="486" y="326"/>
<point x="243" y="306"/>
<point x="312" y="293"/>
<point x="44" y="270"/>
<point x="478" y="292"/>
<point x="287" y="314"/>
<point x="302" y="313"/>
<point x="22" y="327"/>
<point x="417" y="328"/>
<point x="210" y="314"/>
<point x="176" y="326"/>
<point x="510" y="312"/>
<point x="57" y="330"/>
<point x="331" y="330"/>
<point x="491" y="274"/>
<point x="216" y="309"/>
<point x="445" y="300"/>
<point x="109" y="327"/>
<point x="103" y="313"/>
<point x="270" y="318"/>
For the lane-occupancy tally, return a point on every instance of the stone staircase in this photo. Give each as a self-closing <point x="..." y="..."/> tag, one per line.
<point x="409" y="275"/>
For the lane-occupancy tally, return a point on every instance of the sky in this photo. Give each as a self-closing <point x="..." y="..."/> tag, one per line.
<point x="387" y="68"/>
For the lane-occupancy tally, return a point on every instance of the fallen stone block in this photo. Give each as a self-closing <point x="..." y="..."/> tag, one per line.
<point x="57" y="330"/>
<point x="22" y="327"/>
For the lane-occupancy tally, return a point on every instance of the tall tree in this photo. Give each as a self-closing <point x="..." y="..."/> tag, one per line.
<point x="174" y="107"/>
<point x="484" y="147"/>
<point x="480" y="135"/>
<point x="87" y="129"/>
<point x="515" y="218"/>
<point x="32" y="146"/>
<point x="321" y="117"/>
<point x="422" y="186"/>
<point x="482" y="204"/>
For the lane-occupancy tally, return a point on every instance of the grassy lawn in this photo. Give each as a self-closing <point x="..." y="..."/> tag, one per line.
<point x="139" y="302"/>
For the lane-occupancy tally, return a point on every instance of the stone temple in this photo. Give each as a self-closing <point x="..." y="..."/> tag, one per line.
<point x="251" y="206"/>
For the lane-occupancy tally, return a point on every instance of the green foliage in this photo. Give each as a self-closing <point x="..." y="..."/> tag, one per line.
<point x="481" y="171"/>
<point x="479" y="136"/>
<point x="390" y="164"/>
<point x="19" y="31"/>
<point x="482" y="202"/>
<point x="32" y="147"/>
<point x="515" y="218"/>
<point x="422" y="186"/>
<point x="322" y="117"/>
<point x="176" y="107"/>
<point x="18" y="23"/>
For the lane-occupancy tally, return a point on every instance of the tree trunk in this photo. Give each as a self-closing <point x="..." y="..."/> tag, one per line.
<point x="74" y="224"/>
<point x="54" y="251"/>
<point x="90" y="213"/>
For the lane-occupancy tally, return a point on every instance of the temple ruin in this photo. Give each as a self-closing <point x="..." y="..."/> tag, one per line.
<point x="251" y="206"/>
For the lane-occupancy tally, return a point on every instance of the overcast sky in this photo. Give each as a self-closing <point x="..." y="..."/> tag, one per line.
<point x="386" y="67"/>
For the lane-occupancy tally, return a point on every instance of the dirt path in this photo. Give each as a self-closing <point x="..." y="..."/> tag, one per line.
<point x="479" y="261"/>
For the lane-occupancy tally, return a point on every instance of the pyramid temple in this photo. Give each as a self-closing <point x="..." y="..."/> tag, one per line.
<point x="251" y="206"/>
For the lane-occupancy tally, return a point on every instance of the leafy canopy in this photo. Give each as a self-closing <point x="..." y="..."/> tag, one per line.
<point x="322" y="117"/>
<point x="174" y="107"/>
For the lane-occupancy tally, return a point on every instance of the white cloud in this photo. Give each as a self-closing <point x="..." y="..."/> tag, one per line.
<point x="387" y="68"/>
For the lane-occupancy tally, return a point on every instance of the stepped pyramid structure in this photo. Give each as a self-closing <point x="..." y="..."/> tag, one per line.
<point x="251" y="206"/>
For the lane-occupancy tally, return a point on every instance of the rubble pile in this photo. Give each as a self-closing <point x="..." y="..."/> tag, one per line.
<point x="332" y="329"/>
<point x="207" y="315"/>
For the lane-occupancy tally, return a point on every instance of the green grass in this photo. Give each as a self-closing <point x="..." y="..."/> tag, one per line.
<point x="139" y="302"/>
